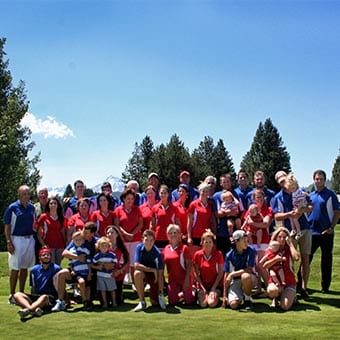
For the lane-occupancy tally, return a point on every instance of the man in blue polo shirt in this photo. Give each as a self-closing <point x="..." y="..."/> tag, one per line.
<point x="43" y="293"/>
<point x="149" y="269"/>
<point x="283" y="211"/>
<point x="324" y="217"/>
<point x="18" y="221"/>
<point x="239" y="278"/>
<point x="243" y="189"/>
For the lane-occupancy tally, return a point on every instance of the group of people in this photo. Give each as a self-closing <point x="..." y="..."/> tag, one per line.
<point x="225" y="244"/>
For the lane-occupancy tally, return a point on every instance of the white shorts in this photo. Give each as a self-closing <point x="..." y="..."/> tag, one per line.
<point x="131" y="248"/>
<point x="24" y="254"/>
<point x="235" y="291"/>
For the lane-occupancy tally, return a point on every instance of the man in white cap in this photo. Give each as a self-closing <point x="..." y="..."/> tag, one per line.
<point x="239" y="277"/>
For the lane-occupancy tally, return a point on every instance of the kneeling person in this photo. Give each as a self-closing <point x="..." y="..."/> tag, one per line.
<point x="149" y="268"/>
<point x="239" y="278"/>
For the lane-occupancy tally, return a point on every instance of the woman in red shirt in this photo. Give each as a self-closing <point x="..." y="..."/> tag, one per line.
<point x="200" y="216"/>
<point x="163" y="214"/>
<point x="102" y="217"/>
<point x="208" y="268"/>
<point x="182" y="205"/>
<point x="51" y="229"/>
<point x="287" y="255"/>
<point x="129" y="219"/>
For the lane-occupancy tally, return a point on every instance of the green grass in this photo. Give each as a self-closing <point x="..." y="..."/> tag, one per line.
<point x="316" y="319"/>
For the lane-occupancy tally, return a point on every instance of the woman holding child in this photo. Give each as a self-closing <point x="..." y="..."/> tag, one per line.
<point x="287" y="254"/>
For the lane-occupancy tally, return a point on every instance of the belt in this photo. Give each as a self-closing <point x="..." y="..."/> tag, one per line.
<point x="24" y="236"/>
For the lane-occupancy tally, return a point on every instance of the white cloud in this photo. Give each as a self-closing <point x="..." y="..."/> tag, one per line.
<point x="48" y="127"/>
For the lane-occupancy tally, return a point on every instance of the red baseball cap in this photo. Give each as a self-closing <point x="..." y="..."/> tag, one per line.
<point x="184" y="172"/>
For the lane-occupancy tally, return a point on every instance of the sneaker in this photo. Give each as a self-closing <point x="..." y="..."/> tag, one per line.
<point x="23" y="313"/>
<point x="76" y="293"/>
<point x="304" y="294"/>
<point x="141" y="306"/>
<point x="11" y="300"/>
<point x="247" y="305"/>
<point x="133" y="287"/>
<point x="161" y="301"/>
<point x="38" y="312"/>
<point x="292" y="233"/>
<point x="147" y="287"/>
<point x="59" y="306"/>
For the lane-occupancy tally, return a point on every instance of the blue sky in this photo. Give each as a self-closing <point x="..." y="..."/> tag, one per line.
<point x="100" y="75"/>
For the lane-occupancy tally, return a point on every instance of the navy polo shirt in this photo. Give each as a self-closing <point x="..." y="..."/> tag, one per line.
<point x="151" y="259"/>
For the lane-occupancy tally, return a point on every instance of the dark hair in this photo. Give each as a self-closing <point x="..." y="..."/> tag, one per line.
<point x="106" y="184"/>
<point x="59" y="208"/>
<point x="319" y="172"/>
<point x="127" y="192"/>
<point x="108" y="197"/>
<point x="81" y="200"/>
<point x="242" y="171"/>
<point x="77" y="182"/>
<point x="120" y="243"/>
<point x="91" y="226"/>
<point x="186" y="188"/>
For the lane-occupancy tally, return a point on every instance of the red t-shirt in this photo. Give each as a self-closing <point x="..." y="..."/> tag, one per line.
<point x="175" y="259"/>
<point x="102" y="220"/>
<point x="77" y="221"/>
<point x="265" y="211"/>
<point x="182" y="213"/>
<point x="202" y="217"/>
<point x="164" y="217"/>
<point x="146" y="211"/>
<point x="287" y="267"/>
<point x="120" y="263"/>
<point x="52" y="231"/>
<point x="129" y="220"/>
<point x="208" y="267"/>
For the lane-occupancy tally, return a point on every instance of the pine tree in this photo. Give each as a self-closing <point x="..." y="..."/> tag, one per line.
<point x="69" y="191"/>
<point x="267" y="153"/>
<point x="16" y="167"/>
<point x="138" y="165"/>
<point x="222" y="162"/>
<point x="336" y="175"/>
<point x="168" y="161"/>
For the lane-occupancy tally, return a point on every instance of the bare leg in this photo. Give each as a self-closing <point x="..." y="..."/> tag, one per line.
<point x="139" y="283"/>
<point x="13" y="279"/>
<point x="22" y="279"/>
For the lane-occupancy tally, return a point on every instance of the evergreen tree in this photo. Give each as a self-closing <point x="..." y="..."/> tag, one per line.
<point x="168" y="161"/>
<point x="202" y="159"/>
<point x="222" y="162"/>
<point x="336" y="175"/>
<point x="16" y="167"/>
<point x="267" y="153"/>
<point x="139" y="164"/>
<point x="69" y="191"/>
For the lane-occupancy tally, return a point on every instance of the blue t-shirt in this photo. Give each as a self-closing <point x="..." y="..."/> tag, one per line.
<point x="193" y="194"/>
<point x="20" y="218"/>
<point x="242" y="195"/>
<point x="42" y="279"/>
<point x="324" y="203"/>
<point x="235" y="261"/>
<point x="151" y="259"/>
<point x="268" y="193"/>
<point x="283" y="203"/>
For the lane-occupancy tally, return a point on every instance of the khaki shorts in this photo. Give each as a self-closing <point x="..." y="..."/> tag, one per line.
<point x="304" y="242"/>
<point x="235" y="291"/>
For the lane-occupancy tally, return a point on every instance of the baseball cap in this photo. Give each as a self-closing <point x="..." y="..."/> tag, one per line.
<point x="151" y="174"/>
<point x="44" y="250"/>
<point x="184" y="172"/>
<point x="280" y="176"/>
<point x="238" y="234"/>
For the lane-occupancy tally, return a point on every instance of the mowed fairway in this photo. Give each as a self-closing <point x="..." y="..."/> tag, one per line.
<point x="318" y="318"/>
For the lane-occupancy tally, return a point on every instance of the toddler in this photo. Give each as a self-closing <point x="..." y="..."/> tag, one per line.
<point x="254" y="215"/>
<point x="299" y="201"/>
<point x="231" y="205"/>
<point x="105" y="262"/>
